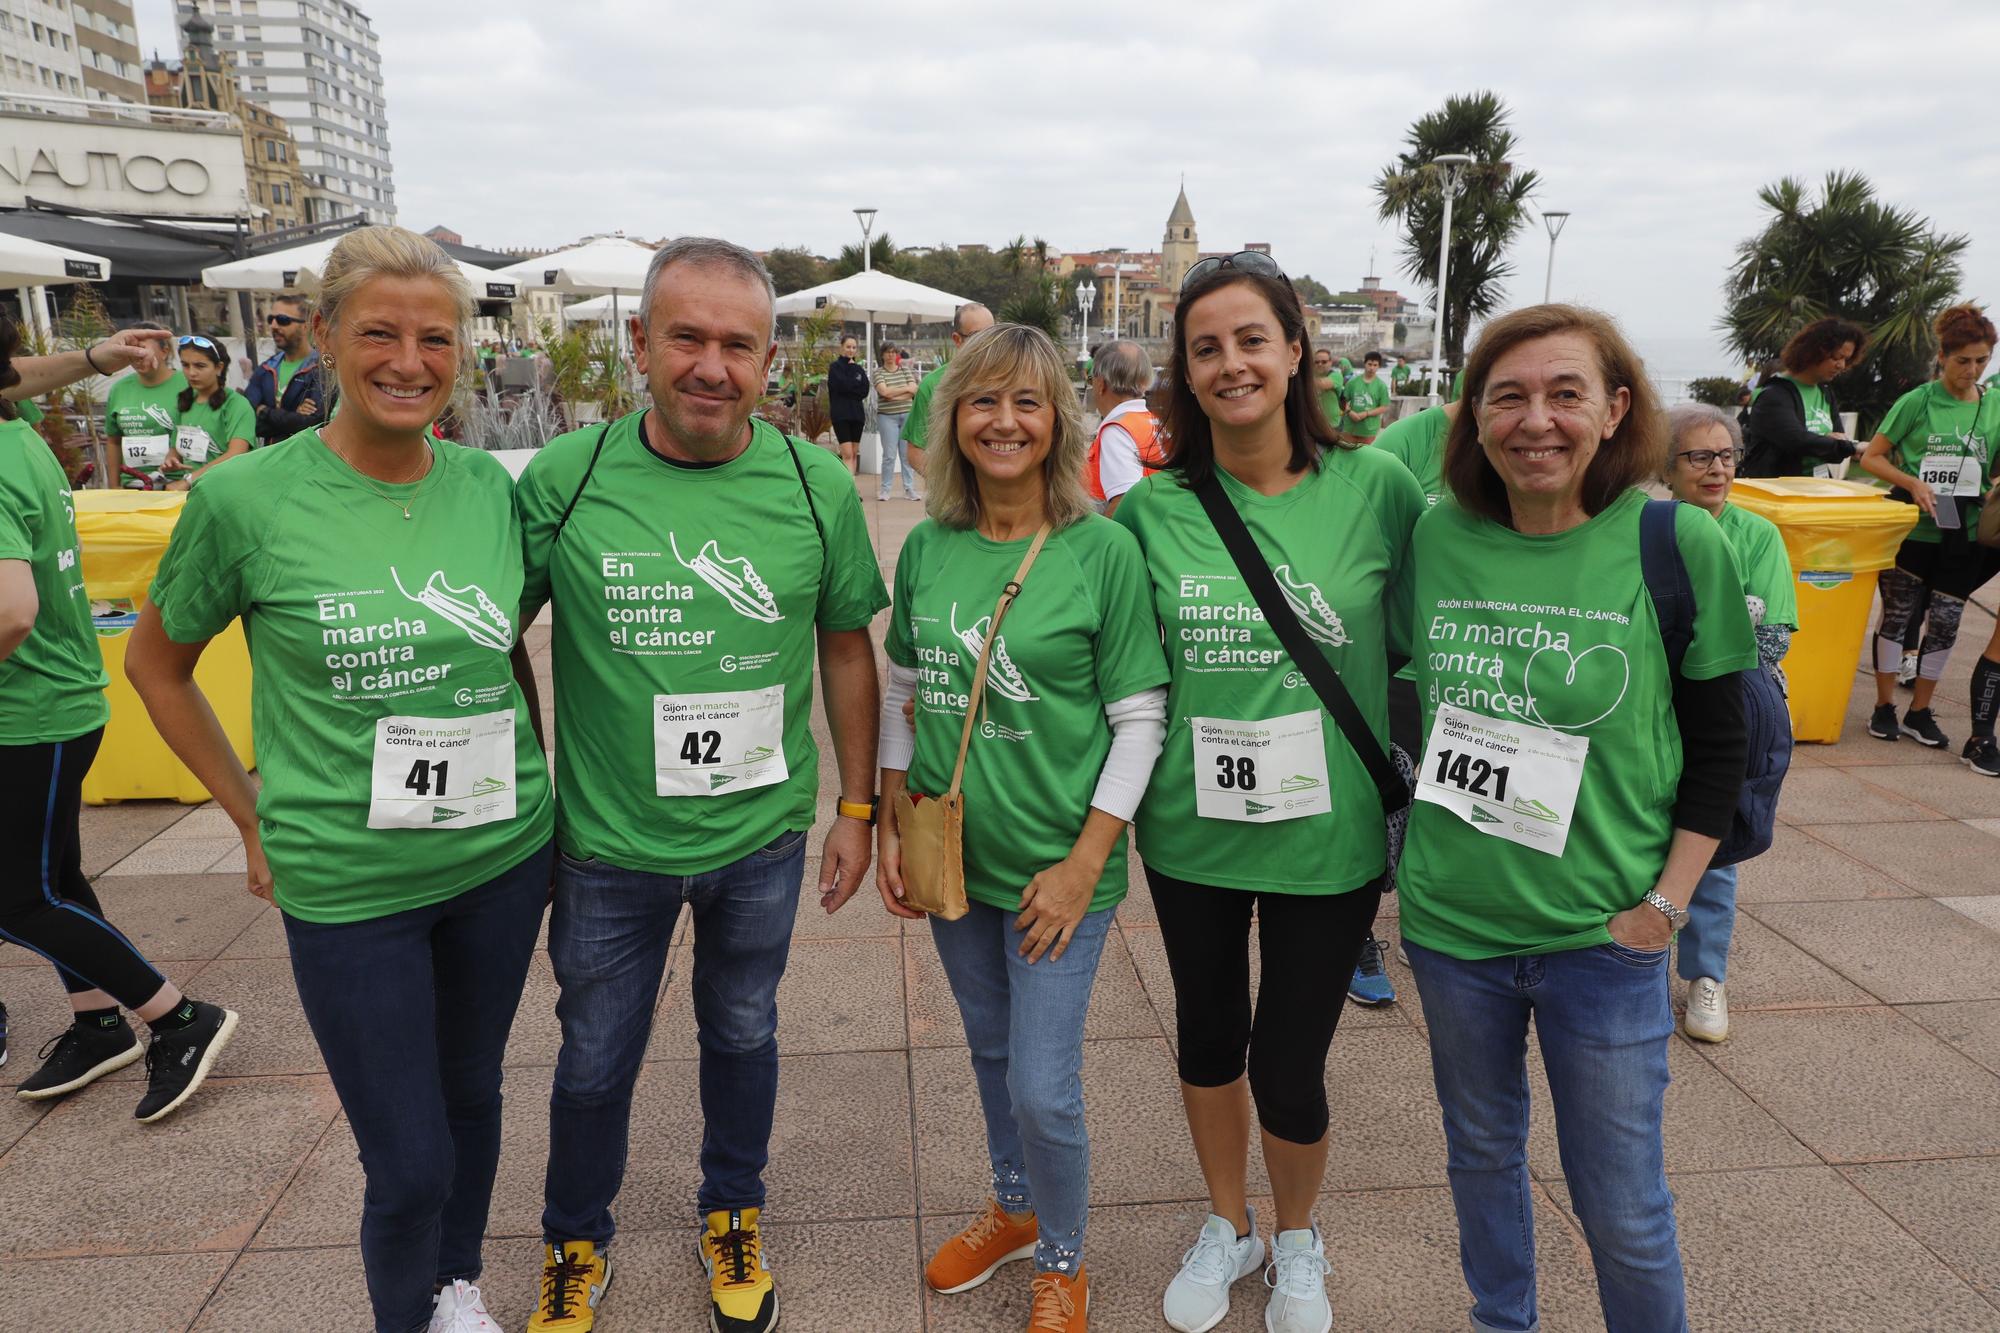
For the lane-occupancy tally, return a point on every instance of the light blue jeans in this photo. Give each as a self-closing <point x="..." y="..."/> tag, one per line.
<point x="1603" y="1018"/>
<point x="895" y="452"/>
<point x="1704" y="946"/>
<point x="1024" y="1023"/>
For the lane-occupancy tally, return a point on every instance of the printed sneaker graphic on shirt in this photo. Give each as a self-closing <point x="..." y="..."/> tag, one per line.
<point x="1002" y="676"/>
<point x="1570" y="691"/>
<point x="1298" y="782"/>
<point x="756" y="752"/>
<point x="1311" y="608"/>
<point x="485" y="785"/>
<point x="1535" y="810"/>
<point x="735" y="578"/>
<point x="469" y="608"/>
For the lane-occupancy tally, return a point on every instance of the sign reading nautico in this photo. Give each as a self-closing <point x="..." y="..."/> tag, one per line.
<point x="138" y="165"/>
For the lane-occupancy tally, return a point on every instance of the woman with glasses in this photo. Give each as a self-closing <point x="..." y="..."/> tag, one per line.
<point x="1704" y="452"/>
<point x="1794" y="425"/>
<point x="1937" y="448"/>
<point x="1259" y="805"/>
<point x="214" y="421"/>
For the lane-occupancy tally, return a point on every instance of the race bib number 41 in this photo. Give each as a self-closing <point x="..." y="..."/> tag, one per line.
<point x="718" y="744"/>
<point x="443" y="772"/>
<point x="1507" y="779"/>
<point x="1259" y="772"/>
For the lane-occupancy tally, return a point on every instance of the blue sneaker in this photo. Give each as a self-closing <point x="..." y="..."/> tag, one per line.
<point x="1371" y="985"/>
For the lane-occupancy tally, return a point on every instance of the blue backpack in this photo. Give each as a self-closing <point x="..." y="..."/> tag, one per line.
<point x="1766" y="717"/>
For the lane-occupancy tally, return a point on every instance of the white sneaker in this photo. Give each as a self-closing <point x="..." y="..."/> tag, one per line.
<point x="1707" y="1011"/>
<point x="461" y="1309"/>
<point x="1198" y="1297"/>
<point x="1297" y="1279"/>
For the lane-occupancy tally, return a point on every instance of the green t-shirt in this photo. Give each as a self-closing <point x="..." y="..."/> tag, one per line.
<point x="1337" y="543"/>
<point x="1400" y="375"/>
<point x="234" y="420"/>
<point x="1759" y="549"/>
<point x="366" y="631"/>
<point x="1417" y="441"/>
<point x="141" y="417"/>
<point x="25" y="410"/>
<point x="1365" y="395"/>
<point x="1927" y="422"/>
<point x="52" y="685"/>
<point x="287" y="369"/>
<point x="1080" y="635"/>
<point x="685" y="602"/>
<point x="1556" y="631"/>
<point x="916" y="426"/>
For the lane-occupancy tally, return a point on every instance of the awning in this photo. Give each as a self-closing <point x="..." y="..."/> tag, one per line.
<point x="135" y="255"/>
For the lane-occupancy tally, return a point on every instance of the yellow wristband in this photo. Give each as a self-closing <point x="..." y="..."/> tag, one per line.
<point x="861" y="810"/>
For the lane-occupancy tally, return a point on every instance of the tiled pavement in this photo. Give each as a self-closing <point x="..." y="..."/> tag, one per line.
<point x="1837" y="1163"/>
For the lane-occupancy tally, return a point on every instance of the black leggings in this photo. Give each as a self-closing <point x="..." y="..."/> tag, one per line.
<point x="1309" y="944"/>
<point x="46" y="905"/>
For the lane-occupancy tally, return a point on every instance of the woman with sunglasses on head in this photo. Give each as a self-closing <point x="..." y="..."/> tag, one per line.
<point x="1703" y="454"/>
<point x="215" y="421"/>
<point x="1260" y="804"/>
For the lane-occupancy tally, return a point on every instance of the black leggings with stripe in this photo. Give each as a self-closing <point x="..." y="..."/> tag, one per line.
<point x="46" y="905"/>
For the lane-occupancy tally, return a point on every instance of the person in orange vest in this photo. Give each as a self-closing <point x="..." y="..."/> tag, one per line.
<point x="1128" y="445"/>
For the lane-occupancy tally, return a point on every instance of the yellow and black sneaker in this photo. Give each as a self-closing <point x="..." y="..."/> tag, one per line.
<point x="573" y="1282"/>
<point x="741" y="1295"/>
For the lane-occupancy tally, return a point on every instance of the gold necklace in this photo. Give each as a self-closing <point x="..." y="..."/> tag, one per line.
<point x="428" y="463"/>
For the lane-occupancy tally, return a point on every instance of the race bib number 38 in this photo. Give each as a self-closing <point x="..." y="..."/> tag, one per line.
<point x="1259" y="772"/>
<point x="718" y="744"/>
<point x="1507" y="779"/>
<point x="443" y="772"/>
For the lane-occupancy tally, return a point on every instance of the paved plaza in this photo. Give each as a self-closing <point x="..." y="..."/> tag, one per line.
<point x="1837" y="1162"/>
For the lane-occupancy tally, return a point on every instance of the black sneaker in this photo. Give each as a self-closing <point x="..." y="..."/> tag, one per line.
<point x="177" y="1062"/>
<point x="1919" y="723"/>
<point x="1882" y="723"/>
<point x="1982" y="756"/>
<point x="77" y="1056"/>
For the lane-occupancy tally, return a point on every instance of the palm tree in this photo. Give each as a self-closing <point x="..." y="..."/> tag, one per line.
<point x="881" y="254"/>
<point x="1845" y="253"/>
<point x="1490" y="208"/>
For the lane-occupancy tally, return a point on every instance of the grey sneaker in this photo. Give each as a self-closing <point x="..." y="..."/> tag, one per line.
<point x="1198" y="1297"/>
<point x="1708" y="1010"/>
<point x="1296" y="1276"/>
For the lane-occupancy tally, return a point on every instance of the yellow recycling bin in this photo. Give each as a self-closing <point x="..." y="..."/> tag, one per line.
<point x="1839" y="535"/>
<point x="124" y="534"/>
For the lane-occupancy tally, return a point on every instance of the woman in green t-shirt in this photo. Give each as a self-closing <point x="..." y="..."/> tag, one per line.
<point x="1072" y="714"/>
<point x="214" y="422"/>
<point x="403" y="825"/>
<point x="1794" y="427"/>
<point x="1937" y="448"/>
<point x="1574" y="787"/>
<point x="1259" y="805"/>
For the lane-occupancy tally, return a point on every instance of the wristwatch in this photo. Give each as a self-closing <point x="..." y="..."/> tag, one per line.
<point x="863" y="810"/>
<point x="1676" y="916"/>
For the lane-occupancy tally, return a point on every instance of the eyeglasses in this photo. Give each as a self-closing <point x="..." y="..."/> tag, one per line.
<point x="1250" y="261"/>
<point x="196" y="340"/>
<point x="1701" y="460"/>
<point x="283" y="321"/>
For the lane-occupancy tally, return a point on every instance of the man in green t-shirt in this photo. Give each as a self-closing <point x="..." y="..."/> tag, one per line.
<point x="965" y="321"/>
<point x="141" y="411"/>
<point x="1328" y="382"/>
<point x="694" y="558"/>
<point x="1367" y="402"/>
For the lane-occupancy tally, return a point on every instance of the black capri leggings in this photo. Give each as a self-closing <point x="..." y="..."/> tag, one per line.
<point x="1308" y="943"/>
<point x="46" y="905"/>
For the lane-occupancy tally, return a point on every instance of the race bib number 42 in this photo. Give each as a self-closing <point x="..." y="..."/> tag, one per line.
<point x="718" y="744"/>
<point x="1259" y="772"/>
<point x="443" y="772"/>
<point x="1507" y="779"/>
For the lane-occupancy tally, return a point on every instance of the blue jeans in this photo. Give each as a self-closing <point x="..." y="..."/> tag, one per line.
<point x="1603" y="1019"/>
<point x="895" y="451"/>
<point x="1704" y="940"/>
<point x="411" y="1012"/>
<point x="1024" y="1023"/>
<point x="608" y="939"/>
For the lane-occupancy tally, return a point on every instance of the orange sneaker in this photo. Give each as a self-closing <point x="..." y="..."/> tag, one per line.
<point x="970" y="1257"/>
<point x="1060" y="1304"/>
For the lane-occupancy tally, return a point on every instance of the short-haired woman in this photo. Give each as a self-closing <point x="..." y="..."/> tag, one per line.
<point x="1072" y="716"/>
<point x="1260" y="806"/>
<point x="1794" y="427"/>
<point x="1937" y="448"/>
<point x="404" y="819"/>
<point x="214" y="421"/>
<point x="895" y="388"/>
<point x="1703" y="451"/>
<point x="1574" y="788"/>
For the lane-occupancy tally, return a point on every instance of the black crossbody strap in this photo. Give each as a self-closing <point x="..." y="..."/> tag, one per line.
<point x="1305" y="654"/>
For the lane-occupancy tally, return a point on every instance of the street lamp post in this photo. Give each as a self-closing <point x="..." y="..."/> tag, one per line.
<point x="1454" y="165"/>
<point x="1086" y="295"/>
<point x="1118" y="292"/>
<point x="1553" y="219"/>
<point x="866" y="217"/>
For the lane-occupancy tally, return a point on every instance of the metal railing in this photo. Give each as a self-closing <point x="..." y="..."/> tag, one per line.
<point x="127" y="113"/>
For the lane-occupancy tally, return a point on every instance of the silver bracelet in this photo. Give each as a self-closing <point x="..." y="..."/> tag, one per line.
<point x="1676" y="916"/>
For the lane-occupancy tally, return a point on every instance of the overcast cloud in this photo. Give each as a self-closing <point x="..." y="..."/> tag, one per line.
<point x="519" y="123"/>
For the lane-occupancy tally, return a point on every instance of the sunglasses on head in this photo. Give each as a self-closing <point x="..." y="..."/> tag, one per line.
<point x="1250" y="261"/>
<point x="283" y="321"/>
<point x="196" y="340"/>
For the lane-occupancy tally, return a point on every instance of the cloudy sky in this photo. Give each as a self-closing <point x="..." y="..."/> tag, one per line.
<point x="524" y="123"/>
